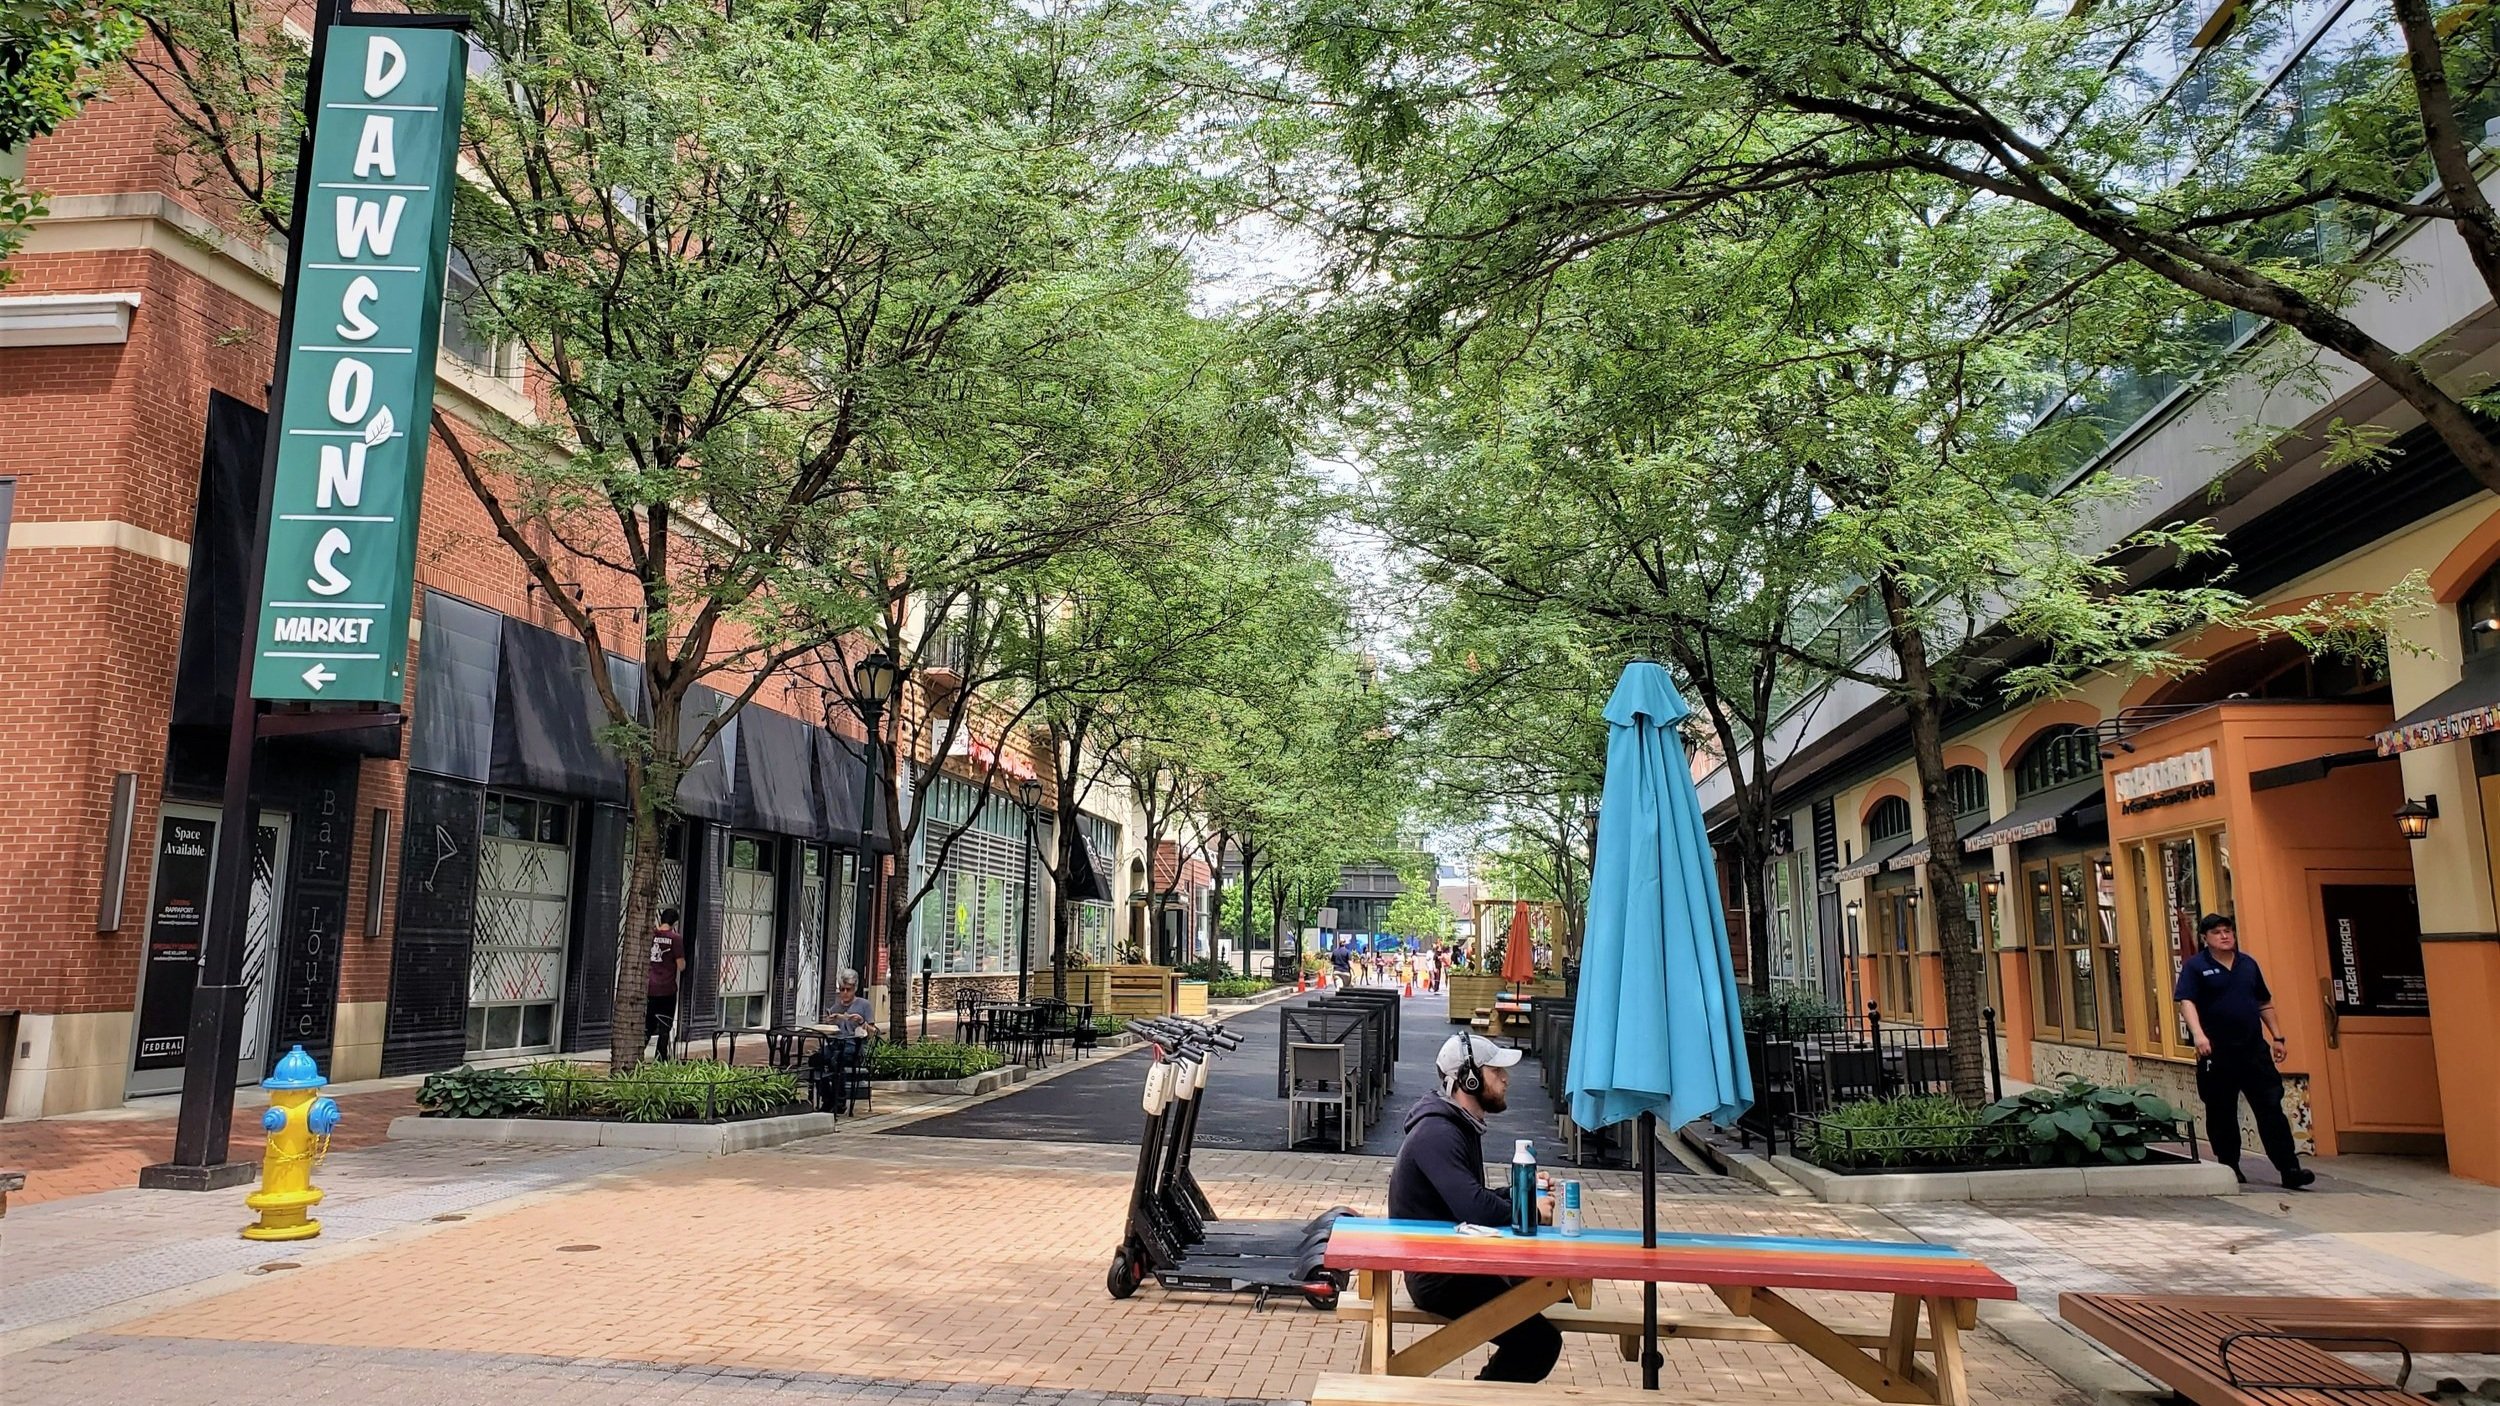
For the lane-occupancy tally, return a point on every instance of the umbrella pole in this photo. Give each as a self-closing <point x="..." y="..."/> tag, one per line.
<point x="1651" y="1361"/>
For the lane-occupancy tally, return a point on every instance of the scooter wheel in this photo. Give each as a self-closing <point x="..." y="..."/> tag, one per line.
<point x="1321" y="1296"/>
<point x="1125" y="1274"/>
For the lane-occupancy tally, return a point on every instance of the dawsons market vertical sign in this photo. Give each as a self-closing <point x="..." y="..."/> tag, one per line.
<point x="368" y="283"/>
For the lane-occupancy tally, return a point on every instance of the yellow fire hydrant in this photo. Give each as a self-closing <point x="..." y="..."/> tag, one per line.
<point x="299" y="1124"/>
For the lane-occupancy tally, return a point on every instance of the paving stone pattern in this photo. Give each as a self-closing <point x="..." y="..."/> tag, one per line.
<point x="889" y="1260"/>
<point x="74" y="1257"/>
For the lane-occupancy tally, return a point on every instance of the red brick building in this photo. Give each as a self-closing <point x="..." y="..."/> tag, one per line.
<point x="135" y="344"/>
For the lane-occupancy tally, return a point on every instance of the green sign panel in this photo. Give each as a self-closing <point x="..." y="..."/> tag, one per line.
<point x="367" y="274"/>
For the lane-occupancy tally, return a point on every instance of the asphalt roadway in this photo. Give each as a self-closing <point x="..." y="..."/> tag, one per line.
<point x="1101" y="1103"/>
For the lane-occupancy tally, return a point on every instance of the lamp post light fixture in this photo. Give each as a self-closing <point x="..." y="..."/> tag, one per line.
<point x="2413" y="818"/>
<point x="1028" y="791"/>
<point x="1993" y="884"/>
<point x="873" y="681"/>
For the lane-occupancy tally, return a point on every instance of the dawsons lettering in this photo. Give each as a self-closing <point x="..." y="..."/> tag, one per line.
<point x="368" y="281"/>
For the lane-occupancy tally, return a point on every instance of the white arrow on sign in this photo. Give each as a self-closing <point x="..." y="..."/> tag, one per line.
<point x="317" y="676"/>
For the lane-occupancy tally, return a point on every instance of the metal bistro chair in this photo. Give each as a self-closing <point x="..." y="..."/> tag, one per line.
<point x="969" y="1010"/>
<point x="1320" y="1081"/>
<point x="1926" y="1069"/>
<point x="1851" y="1073"/>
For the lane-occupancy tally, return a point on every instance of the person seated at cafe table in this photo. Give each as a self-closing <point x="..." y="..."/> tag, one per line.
<point x="1439" y="1176"/>
<point x="849" y="1012"/>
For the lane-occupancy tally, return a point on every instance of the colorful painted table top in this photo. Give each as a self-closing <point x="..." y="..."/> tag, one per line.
<point x="1763" y="1261"/>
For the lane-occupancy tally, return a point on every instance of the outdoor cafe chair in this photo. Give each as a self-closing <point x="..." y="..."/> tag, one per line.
<point x="1320" y="1080"/>
<point x="1926" y="1069"/>
<point x="1851" y="1073"/>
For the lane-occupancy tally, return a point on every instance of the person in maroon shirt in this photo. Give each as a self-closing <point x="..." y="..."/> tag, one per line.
<point x="668" y="963"/>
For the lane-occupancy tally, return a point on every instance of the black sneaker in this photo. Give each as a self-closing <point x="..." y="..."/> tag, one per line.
<point x="2243" y="1176"/>
<point x="2298" y="1179"/>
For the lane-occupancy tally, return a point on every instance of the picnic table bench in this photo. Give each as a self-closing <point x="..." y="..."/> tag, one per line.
<point x="1747" y="1272"/>
<point x="2223" y="1350"/>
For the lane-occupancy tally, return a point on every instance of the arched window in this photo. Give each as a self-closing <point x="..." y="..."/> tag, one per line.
<point x="1890" y="820"/>
<point x="2066" y="753"/>
<point x="1969" y="787"/>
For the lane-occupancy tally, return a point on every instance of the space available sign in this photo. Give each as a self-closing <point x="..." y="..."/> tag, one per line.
<point x="368" y="280"/>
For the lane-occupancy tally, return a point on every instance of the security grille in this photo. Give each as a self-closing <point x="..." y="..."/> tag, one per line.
<point x="516" y="966"/>
<point x="746" y="949"/>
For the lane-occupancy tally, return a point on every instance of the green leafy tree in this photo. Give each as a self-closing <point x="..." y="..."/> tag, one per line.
<point x="796" y="286"/>
<point x="51" y="59"/>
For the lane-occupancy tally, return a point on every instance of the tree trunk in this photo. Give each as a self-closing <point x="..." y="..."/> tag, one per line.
<point x="1753" y="859"/>
<point x="1924" y="702"/>
<point x="897" y="935"/>
<point x="1249" y="900"/>
<point x="633" y="936"/>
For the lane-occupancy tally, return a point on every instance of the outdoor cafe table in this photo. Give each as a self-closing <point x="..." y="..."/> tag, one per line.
<point x="1747" y="1272"/>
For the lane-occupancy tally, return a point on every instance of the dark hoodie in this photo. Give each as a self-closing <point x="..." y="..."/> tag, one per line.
<point x="1439" y="1176"/>
<point x="1440" y="1170"/>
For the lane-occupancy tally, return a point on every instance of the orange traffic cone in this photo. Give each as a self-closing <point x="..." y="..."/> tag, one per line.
<point x="1301" y="981"/>
<point x="1410" y="988"/>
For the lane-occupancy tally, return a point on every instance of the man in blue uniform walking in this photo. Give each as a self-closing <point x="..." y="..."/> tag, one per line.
<point x="2230" y="1016"/>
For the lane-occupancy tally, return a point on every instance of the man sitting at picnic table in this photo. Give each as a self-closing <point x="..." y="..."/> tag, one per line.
<point x="1440" y="1177"/>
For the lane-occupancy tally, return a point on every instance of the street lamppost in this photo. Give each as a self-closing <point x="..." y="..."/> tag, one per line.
<point x="1030" y="792"/>
<point x="873" y="681"/>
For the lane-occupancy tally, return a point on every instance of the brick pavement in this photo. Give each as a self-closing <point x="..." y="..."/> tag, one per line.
<point x="895" y="1259"/>
<point x="85" y="1153"/>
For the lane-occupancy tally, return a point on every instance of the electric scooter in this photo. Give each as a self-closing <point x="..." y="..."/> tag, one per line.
<point x="1165" y="1198"/>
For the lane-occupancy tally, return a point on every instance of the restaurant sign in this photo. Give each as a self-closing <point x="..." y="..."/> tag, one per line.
<point x="2455" y="727"/>
<point x="367" y="275"/>
<point x="2168" y="782"/>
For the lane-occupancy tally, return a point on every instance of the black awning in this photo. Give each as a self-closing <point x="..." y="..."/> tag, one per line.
<point x="2469" y="709"/>
<point x="2043" y="814"/>
<point x="775" y="788"/>
<point x="452" y="730"/>
<point x="837" y="780"/>
<point x="709" y="789"/>
<point x="1090" y="885"/>
<point x="1919" y="853"/>
<point x="547" y="719"/>
<point x="1873" y="860"/>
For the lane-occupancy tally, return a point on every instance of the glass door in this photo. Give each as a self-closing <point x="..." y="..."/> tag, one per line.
<point x="169" y="968"/>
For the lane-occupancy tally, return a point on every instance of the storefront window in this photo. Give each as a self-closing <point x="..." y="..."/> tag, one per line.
<point x="2177" y="880"/>
<point x="2074" y="954"/>
<point x="2048" y="1015"/>
<point x="1896" y="957"/>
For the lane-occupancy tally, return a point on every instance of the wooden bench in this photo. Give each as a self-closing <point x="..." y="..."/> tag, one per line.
<point x="1348" y="1389"/>
<point x="1625" y="1326"/>
<point x="2226" y="1351"/>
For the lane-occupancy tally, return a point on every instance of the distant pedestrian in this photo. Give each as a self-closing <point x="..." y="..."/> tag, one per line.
<point x="668" y="964"/>
<point x="2230" y="1016"/>
<point x="1341" y="961"/>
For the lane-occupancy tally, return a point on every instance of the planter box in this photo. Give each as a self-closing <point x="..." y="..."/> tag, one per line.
<point x="1470" y="993"/>
<point x="1190" y="998"/>
<point x="1126" y="991"/>
<point x="975" y="1084"/>
<point x="711" y="1139"/>
<point x="2010" y="1183"/>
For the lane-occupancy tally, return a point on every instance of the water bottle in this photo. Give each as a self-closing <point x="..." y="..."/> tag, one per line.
<point x="1523" y="1189"/>
<point x="1567" y="1220"/>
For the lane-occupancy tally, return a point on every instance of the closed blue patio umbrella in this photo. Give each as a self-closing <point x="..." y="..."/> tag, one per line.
<point x="1655" y="1029"/>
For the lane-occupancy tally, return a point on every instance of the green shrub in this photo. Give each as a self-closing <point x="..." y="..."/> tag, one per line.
<point x="1110" y="1024"/>
<point x="1785" y="1005"/>
<point x="2080" y="1121"/>
<point x="1209" y="970"/>
<point x="930" y="1059"/>
<point x="1236" y="989"/>
<point x="479" y="1093"/>
<point x="1905" y="1130"/>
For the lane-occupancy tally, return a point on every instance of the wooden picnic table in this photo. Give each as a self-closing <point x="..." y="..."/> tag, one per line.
<point x="1746" y="1272"/>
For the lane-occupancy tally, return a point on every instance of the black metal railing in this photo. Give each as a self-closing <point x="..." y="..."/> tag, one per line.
<point x="1950" y="1144"/>
<point x="1805" y="1065"/>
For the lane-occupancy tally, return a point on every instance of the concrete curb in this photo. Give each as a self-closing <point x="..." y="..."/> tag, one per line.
<point x="706" y="1139"/>
<point x="1744" y="1166"/>
<point x="2009" y="1184"/>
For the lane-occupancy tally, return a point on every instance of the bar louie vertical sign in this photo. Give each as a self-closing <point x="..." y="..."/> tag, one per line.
<point x="368" y="283"/>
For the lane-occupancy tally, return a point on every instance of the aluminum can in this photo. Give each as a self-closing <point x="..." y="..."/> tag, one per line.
<point x="1567" y="1216"/>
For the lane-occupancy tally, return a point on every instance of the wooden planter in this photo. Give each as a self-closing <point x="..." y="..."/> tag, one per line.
<point x="1469" y="994"/>
<point x="1129" y="992"/>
